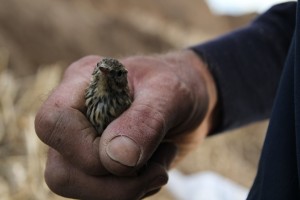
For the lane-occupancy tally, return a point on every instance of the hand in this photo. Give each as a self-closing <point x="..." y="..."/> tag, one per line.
<point x="172" y="95"/>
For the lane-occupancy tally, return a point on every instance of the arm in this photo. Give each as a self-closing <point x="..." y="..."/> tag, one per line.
<point x="246" y="65"/>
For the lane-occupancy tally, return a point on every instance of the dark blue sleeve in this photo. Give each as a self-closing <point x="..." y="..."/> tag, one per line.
<point x="246" y="65"/>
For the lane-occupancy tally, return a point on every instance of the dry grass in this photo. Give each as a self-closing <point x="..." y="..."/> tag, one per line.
<point x="22" y="155"/>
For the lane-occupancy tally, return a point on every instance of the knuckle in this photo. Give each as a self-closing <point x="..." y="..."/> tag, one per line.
<point x="58" y="180"/>
<point x="179" y="87"/>
<point x="47" y="123"/>
<point x="167" y="79"/>
<point x="175" y="84"/>
<point x="151" y="119"/>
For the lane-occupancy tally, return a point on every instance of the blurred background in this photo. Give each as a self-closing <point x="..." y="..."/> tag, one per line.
<point x="40" y="38"/>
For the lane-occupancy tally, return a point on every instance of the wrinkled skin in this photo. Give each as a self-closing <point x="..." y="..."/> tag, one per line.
<point x="172" y="109"/>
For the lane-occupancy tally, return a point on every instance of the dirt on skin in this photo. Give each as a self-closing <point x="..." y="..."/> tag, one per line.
<point x="39" y="38"/>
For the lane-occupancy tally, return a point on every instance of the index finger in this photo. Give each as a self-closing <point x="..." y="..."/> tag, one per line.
<point x="61" y="122"/>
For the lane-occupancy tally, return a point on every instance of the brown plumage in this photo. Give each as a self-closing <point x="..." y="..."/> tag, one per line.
<point x="107" y="96"/>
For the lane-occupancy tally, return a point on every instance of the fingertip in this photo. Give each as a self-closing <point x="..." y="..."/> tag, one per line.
<point x="124" y="150"/>
<point x="121" y="155"/>
<point x="129" y="141"/>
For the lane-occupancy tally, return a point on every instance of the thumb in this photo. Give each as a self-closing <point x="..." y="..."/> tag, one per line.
<point x="130" y="140"/>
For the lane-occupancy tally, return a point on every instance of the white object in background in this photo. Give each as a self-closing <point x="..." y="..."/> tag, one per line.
<point x="238" y="7"/>
<point x="204" y="186"/>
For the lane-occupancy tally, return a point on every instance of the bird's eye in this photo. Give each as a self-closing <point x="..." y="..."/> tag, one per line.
<point x="119" y="73"/>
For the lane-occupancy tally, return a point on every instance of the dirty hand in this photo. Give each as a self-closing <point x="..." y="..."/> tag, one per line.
<point x="172" y="94"/>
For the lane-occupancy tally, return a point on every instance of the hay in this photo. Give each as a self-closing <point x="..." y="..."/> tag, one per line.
<point x="22" y="155"/>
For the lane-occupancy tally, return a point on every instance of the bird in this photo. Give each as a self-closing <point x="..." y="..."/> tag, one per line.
<point x="108" y="94"/>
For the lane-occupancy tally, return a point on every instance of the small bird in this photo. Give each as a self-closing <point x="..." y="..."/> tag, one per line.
<point x="108" y="95"/>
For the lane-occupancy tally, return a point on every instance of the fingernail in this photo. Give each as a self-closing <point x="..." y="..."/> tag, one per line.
<point x="124" y="150"/>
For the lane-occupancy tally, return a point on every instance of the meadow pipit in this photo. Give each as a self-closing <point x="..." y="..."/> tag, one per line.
<point x="107" y="96"/>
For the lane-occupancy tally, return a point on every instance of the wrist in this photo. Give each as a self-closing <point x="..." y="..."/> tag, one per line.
<point x="194" y="71"/>
<point x="204" y="83"/>
<point x="209" y="121"/>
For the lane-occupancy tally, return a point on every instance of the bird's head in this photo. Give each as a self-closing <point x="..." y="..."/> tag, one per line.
<point x="113" y="72"/>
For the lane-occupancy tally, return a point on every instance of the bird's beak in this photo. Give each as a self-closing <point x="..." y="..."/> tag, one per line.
<point x="104" y="70"/>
